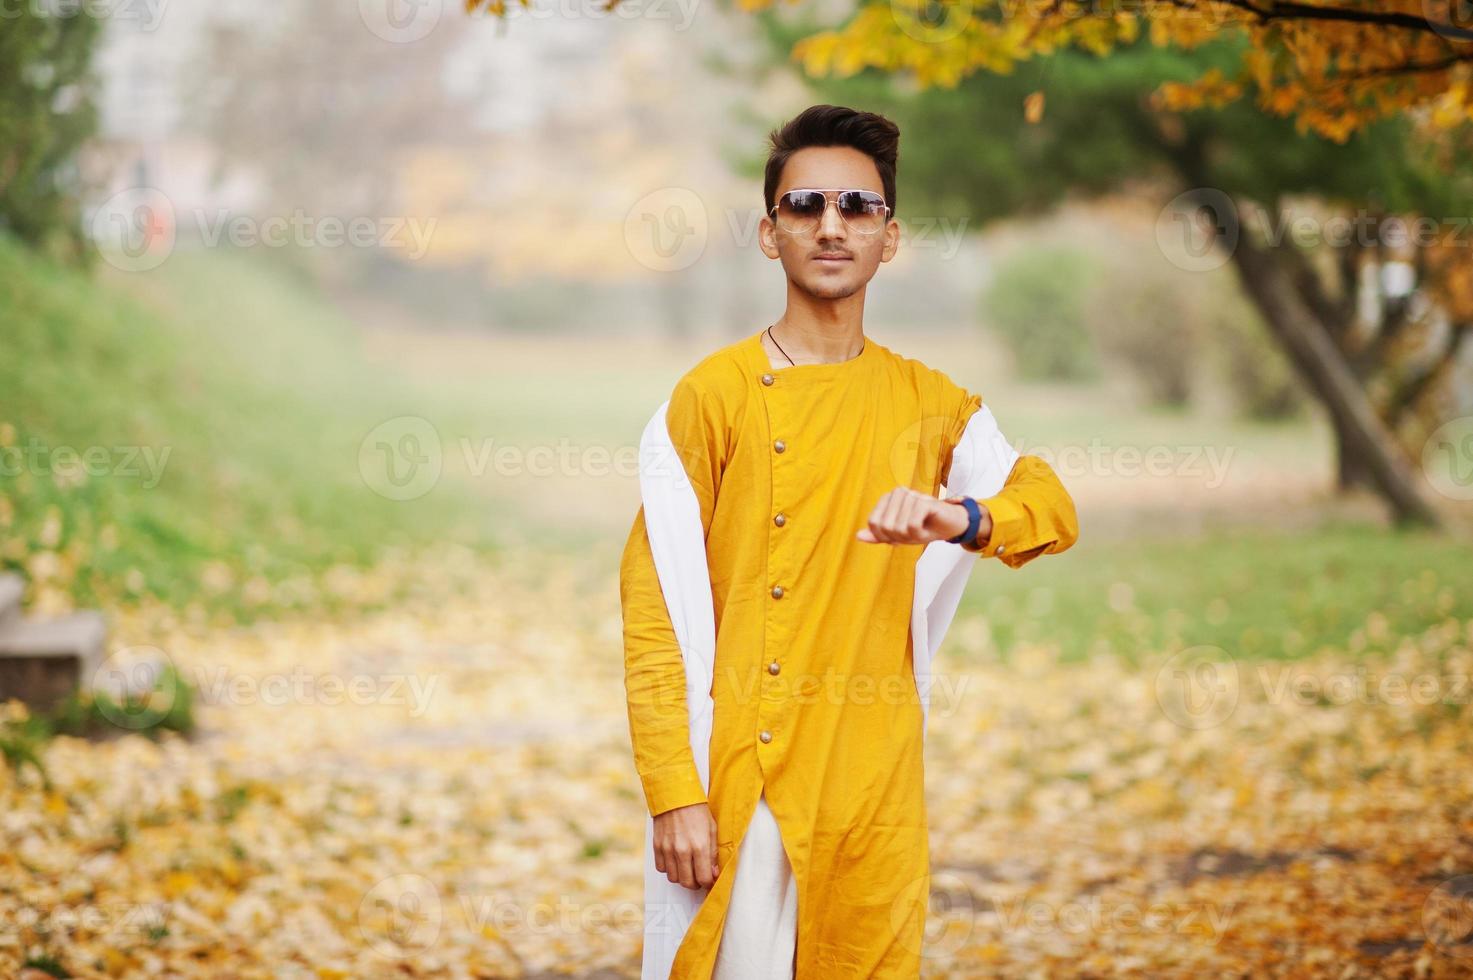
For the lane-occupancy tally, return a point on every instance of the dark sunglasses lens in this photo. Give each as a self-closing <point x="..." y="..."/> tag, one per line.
<point x="803" y="204"/>
<point x="859" y="203"/>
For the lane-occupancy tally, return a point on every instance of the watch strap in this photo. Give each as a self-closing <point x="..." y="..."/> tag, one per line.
<point x="974" y="519"/>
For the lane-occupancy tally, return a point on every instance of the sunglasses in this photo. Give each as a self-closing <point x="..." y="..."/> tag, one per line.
<point x="799" y="211"/>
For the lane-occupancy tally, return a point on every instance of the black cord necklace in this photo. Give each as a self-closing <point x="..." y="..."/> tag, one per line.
<point x="779" y="346"/>
<point x="795" y="363"/>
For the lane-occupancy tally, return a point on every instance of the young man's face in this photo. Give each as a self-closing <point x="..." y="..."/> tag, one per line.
<point x="804" y="256"/>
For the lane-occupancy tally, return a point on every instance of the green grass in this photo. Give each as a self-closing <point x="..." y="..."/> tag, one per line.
<point x="224" y="404"/>
<point x="167" y="707"/>
<point x="261" y="393"/>
<point x="1255" y="594"/>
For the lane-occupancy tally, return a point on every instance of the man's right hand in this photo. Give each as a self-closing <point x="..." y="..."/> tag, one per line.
<point x="685" y="845"/>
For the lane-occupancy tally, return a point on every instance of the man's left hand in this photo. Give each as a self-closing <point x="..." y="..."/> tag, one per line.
<point x="906" y="516"/>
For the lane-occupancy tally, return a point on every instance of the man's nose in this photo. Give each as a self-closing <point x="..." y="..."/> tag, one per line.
<point x="831" y="225"/>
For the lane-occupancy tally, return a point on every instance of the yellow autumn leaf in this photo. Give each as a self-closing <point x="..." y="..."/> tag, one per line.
<point x="1033" y="107"/>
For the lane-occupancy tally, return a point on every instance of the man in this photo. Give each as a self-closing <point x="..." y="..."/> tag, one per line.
<point x="815" y="455"/>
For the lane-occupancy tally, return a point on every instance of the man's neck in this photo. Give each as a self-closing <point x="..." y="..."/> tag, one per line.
<point x="809" y="341"/>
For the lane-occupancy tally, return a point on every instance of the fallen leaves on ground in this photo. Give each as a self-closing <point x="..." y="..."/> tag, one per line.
<point x="447" y="789"/>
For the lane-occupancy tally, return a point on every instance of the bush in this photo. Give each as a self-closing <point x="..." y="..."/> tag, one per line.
<point x="47" y="113"/>
<point x="1036" y="302"/>
<point x="1168" y="328"/>
<point x="1146" y="317"/>
<point x="1258" y="376"/>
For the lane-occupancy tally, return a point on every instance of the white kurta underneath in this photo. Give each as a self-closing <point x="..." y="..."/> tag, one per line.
<point x="759" y="940"/>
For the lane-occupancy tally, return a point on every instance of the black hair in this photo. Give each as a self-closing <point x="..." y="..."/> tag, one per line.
<point x="834" y="125"/>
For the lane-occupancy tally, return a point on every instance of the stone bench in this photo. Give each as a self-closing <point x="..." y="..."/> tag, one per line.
<point x="42" y="661"/>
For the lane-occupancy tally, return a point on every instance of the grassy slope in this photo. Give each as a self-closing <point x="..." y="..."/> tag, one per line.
<point x="262" y="395"/>
<point x="258" y="396"/>
<point x="1254" y="593"/>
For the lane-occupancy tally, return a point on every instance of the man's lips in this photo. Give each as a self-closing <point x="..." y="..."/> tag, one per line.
<point x="832" y="258"/>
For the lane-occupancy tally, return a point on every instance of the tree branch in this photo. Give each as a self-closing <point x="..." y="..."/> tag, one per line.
<point x="1410" y="393"/>
<point x="1333" y="313"/>
<point x="1290" y="10"/>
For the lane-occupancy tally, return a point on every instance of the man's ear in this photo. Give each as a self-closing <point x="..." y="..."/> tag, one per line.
<point x="767" y="237"/>
<point x="892" y="240"/>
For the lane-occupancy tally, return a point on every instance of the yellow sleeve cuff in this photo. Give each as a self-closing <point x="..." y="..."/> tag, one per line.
<point x="1008" y="522"/>
<point x="672" y="786"/>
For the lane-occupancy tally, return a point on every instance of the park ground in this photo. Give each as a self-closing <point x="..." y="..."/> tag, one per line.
<point x="1226" y="734"/>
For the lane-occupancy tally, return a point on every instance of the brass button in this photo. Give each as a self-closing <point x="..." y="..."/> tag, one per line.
<point x="779" y="445"/>
<point x="768" y="379"/>
<point x="999" y="550"/>
<point x="773" y="668"/>
<point x="766" y="736"/>
<point x="780" y="520"/>
<point x="777" y="591"/>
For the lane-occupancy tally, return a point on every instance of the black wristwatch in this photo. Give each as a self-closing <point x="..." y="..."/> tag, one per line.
<point x="974" y="519"/>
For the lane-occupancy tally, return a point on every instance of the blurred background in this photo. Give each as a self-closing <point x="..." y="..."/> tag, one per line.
<point x="329" y="331"/>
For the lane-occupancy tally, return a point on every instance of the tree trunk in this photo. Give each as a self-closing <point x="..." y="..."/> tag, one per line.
<point x="1351" y="472"/>
<point x="1363" y="438"/>
<point x="1362" y="434"/>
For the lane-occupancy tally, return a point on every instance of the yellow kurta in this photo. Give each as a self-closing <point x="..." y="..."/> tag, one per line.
<point x="813" y="687"/>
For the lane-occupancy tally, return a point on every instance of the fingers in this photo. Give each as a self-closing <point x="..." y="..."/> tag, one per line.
<point x="910" y="518"/>
<point x="899" y="518"/>
<point x="684" y="868"/>
<point x="685" y="850"/>
<point x="881" y="522"/>
<point x="889" y="523"/>
<point x="874" y="529"/>
<point x="715" y="862"/>
<point x="673" y="858"/>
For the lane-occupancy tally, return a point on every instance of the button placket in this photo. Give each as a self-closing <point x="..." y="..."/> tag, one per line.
<point x="770" y="698"/>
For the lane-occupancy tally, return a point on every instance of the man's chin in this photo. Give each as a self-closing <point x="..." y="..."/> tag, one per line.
<point x="823" y="287"/>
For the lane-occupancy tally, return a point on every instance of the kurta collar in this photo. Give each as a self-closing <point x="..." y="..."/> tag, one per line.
<point x="759" y="363"/>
